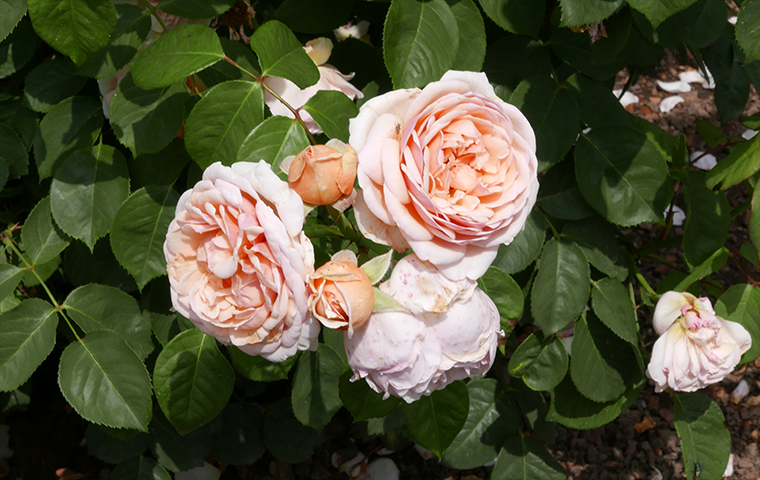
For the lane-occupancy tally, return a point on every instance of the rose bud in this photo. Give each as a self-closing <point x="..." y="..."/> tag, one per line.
<point x="322" y="174"/>
<point x="341" y="296"/>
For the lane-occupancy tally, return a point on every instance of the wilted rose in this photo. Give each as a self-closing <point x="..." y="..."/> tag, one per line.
<point x="449" y="170"/>
<point x="696" y="348"/>
<point x="408" y="355"/>
<point x="341" y="296"/>
<point x="322" y="174"/>
<point x="238" y="261"/>
<point x="330" y="78"/>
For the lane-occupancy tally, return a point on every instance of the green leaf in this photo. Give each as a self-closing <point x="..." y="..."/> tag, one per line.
<point x="99" y="266"/>
<point x="561" y="288"/>
<point x="623" y="175"/>
<point x="315" y="396"/>
<point x="139" y="468"/>
<point x="576" y="13"/>
<point x="511" y="59"/>
<point x="596" y="361"/>
<point x="11" y="12"/>
<point x="23" y="121"/>
<point x="708" y="219"/>
<point x="42" y="239"/>
<point x="533" y="408"/>
<point x="754" y="220"/>
<point x="597" y="240"/>
<point x="77" y="28"/>
<point x="748" y="30"/>
<point x="176" y="55"/>
<point x="540" y="360"/>
<point x="559" y="195"/>
<point x="570" y="408"/>
<point x="132" y="27"/>
<point x="712" y="264"/>
<point x="493" y="417"/>
<point x="741" y="304"/>
<point x="145" y="121"/>
<point x="435" y="420"/>
<point x="658" y="10"/>
<point x="600" y="60"/>
<point x="281" y="428"/>
<point x="526" y="246"/>
<point x="72" y="124"/>
<point x="193" y="380"/>
<point x="363" y="402"/>
<point x="139" y="230"/>
<point x="472" y="35"/>
<point x="259" y="369"/>
<point x="196" y="9"/>
<point x="731" y="93"/>
<point x="221" y="121"/>
<point x="515" y="16"/>
<point x="505" y="293"/>
<point x="160" y="168"/>
<point x="741" y="163"/>
<point x="239" y="53"/>
<point x="314" y="16"/>
<point x="705" y="441"/>
<point x="18" y="49"/>
<point x="598" y="106"/>
<point x="523" y="458"/>
<point x="274" y="139"/>
<point x="13" y="152"/>
<point x="177" y="452"/>
<point x="99" y="307"/>
<point x="613" y="305"/>
<point x="420" y="41"/>
<point x="27" y="336"/>
<point x="10" y="276"/>
<point x="332" y="111"/>
<point x="51" y="82"/>
<point x="103" y="444"/>
<point x="553" y="113"/>
<point x="281" y="55"/>
<point x="236" y="434"/>
<point x="88" y="190"/>
<point x="105" y="382"/>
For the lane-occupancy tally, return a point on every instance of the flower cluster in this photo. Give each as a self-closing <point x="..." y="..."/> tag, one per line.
<point x="448" y="171"/>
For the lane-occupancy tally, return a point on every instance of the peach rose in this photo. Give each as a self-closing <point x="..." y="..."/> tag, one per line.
<point x="341" y="295"/>
<point x="696" y="347"/>
<point x="322" y="174"/>
<point x="449" y="170"/>
<point x="238" y="261"/>
<point x="330" y="78"/>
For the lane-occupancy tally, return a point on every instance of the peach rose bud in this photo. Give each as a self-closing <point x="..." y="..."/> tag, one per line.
<point x="322" y="174"/>
<point x="341" y="296"/>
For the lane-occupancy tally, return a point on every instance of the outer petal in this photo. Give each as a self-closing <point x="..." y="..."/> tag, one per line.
<point x="667" y="310"/>
<point x="737" y="333"/>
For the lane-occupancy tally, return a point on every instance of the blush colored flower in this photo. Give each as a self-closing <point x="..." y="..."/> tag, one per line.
<point x="238" y="261"/>
<point x="696" y="348"/>
<point x="330" y="78"/>
<point x="322" y="174"/>
<point x="408" y="354"/>
<point x="449" y="170"/>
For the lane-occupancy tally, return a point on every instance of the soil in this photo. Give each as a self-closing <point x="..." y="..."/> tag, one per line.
<point x="48" y="439"/>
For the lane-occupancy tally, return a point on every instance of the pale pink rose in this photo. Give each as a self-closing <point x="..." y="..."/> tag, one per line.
<point x="238" y="261"/>
<point x="409" y="355"/>
<point x="108" y="86"/>
<point x="330" y="78"/>
<point x="449" y="170"/>
<point x="696" y="348"/>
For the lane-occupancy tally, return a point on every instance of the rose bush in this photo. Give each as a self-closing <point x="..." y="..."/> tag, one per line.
<point x="449" y="170"/>
<point x="238" y="261"/>
<point x="446" y="331"/>
<point x="696" y="348"/>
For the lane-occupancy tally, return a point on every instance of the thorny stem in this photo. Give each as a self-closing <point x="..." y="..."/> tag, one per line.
<point x="260" y="80"/>
<point x="6" y="236"/>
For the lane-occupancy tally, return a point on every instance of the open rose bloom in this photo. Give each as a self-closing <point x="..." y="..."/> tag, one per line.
<point x="449" y="170"/>
<point x="238" y="261"/>
<point x="696" y="347"/>
<point x="443" y="331"/>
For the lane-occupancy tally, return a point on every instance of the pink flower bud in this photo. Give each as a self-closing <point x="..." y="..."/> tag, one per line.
<point x="341" y="296"/>
<point x="322" y="174"/>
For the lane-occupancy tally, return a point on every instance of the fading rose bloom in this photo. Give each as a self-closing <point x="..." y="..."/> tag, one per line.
<point x="356" y="30"/>
<point x="330" y="78"/>
<point x="238" y="261"/>
<point x="696" y="348"/>
<point x="322" y="174"/>
<point x="341" y="296"/>
<point x="409" y="355"/>
<point x="449" y="170"/>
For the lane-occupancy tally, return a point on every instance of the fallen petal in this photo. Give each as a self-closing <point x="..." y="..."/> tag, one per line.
<point x="627" y="98"/>
<point x="741" y="391"/>
<point x="706" y="162"/>
<point x="691" y="77"/>
<point x="748" y="134"/>
<point x="679" y="216"/>
<point x="206" y="472"/>
<point x="730" y="467"/>
<point x="382" y="469"/>
<point x="674" y="87"/>
<point x="669" y="103"/>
